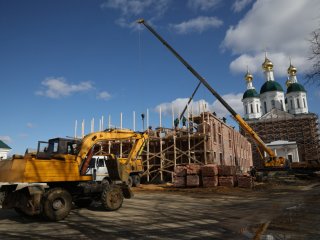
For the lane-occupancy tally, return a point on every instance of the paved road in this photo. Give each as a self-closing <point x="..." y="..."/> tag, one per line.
<point x="280" y="213"/>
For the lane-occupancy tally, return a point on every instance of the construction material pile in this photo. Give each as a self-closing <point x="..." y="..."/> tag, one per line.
<point x="210" y="175"/>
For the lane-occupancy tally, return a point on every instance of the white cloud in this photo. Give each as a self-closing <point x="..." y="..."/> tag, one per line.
<point x="202" y="4"/>
<point x="59" y="87"/>
<point x="234" y="100"/>
<point x="130" y="10"/>
<point x="6" y="139"/>
<point x="198" y="24"/>
<point x="239" y="5"/>
<point x="30" y="125"/>
<point x="104" y="95"/>
<point x="280" y="60"/>
<point x="282" y="27"/>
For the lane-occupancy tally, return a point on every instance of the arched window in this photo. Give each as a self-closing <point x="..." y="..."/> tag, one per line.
<point x="251" y="108"/>
<point x="298" y="103"/>
<point x="304" y="102"/>
<point x="265" y="107"/>
<point x="281" y="104"/>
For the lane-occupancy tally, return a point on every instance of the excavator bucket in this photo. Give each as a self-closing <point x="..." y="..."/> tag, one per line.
<point x="116" y="170"/>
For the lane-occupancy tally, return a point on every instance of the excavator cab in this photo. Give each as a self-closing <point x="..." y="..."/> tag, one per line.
<point x="46" y="150"/>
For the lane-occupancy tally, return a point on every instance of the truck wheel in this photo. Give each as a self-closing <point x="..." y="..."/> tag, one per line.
<point x="83" y="203"/>
<point x="130" y="181"/>
<point x="112" y="197"/>
<point x="56" y="204"/>
<point x="136" y="180"/>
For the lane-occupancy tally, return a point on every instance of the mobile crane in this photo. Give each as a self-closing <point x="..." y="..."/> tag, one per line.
<point x="273" y="160"/>
<point x="48" y="181"/>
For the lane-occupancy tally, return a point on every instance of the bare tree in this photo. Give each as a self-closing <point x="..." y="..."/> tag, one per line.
<point x="313" y="76"/>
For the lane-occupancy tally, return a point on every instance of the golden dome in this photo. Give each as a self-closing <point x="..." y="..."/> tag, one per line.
<point x="248" y="77"/>
<point x="288" y="83"/>
<point x="267" y="64"/>
<point x="292" y="70"/>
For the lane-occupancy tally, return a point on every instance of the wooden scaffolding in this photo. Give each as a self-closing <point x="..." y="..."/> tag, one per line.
<point x="302" y="129"/>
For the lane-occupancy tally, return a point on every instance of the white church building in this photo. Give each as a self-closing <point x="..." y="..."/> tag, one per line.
<point x="272" y="99"/>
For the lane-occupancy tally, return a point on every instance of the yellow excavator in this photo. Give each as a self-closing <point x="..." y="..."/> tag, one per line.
<point x="272" y="161"/>
<point x="48" y="182"/>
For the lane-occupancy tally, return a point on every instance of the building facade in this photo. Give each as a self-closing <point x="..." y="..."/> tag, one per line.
<point x="4" y="150"/>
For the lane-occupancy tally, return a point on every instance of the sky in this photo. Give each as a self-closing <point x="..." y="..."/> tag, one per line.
<point x="78" y="60"/>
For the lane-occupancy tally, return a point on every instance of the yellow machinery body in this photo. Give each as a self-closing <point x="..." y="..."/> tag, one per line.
<point x="63" y="165"/>
<point x="31" y="170"/>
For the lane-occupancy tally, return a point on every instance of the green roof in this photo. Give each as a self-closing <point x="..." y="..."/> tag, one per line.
<point x="250" y="93"/>
<point x="295" y="87"/>
<point x="270" y="86"/>
<point x="3" y="145"/>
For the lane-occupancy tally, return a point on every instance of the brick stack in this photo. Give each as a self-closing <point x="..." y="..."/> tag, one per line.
<point x="245" y="182"/>
<point x="180" y="173"/>
<point x="193" y="172"/>
<point x="209" y="175"/>
<point x="226" y="170"/>
<point x="226" y="181"/>
<point x="227" y="175"/>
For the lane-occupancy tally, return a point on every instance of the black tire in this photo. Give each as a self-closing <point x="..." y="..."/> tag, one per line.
<point x="130" y="181"/>
<point x="3" y="196"/>
<point x="83" y="203"/>
<point x="112" y="197"/>
<point x="136" y="180"/>
<point x="22" y="213"/>
<point x="56" y="205"/>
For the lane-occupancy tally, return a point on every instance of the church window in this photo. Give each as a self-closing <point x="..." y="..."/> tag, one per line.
<point x="281" y="104"/>
<point x="246" y="109"/>
<point x="304" y="102"/>
<point x="291" y="104"/>
<point x="265" y="107"/>
<point x="257" y="108"/>
<point x="298" y="103"/>
<point x="273" y="104"/>
<point x="251" y="108"/>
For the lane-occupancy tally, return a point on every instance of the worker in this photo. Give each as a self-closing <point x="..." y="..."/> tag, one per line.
<point x="253" y="171"/>
<point x="184" y="121"/>
<point x="176" y="123"/>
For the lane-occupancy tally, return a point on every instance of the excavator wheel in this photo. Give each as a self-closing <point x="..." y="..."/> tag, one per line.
<point x="3" y="195"/>
<point x="112" y="197"/>
<point x="130" y="181"/>
<point x="56" y="205"/>
<point x="136" y="180"/>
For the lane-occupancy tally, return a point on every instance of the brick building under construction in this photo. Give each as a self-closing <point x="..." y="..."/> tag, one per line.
<point x="207" y="140"/>
<point x="282" y="120"/>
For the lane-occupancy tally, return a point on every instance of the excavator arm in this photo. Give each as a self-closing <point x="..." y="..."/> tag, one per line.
<point x="86" y="148"/>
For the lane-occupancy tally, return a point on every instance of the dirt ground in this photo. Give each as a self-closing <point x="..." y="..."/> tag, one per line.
<point x="270" y="211"/>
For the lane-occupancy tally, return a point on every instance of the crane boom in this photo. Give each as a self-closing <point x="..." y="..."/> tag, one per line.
<point x="236" y="116"/>
<point x="190" y="99"/>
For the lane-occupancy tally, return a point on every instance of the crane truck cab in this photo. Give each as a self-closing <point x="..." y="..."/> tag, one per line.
<point x="99" y="170"/>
